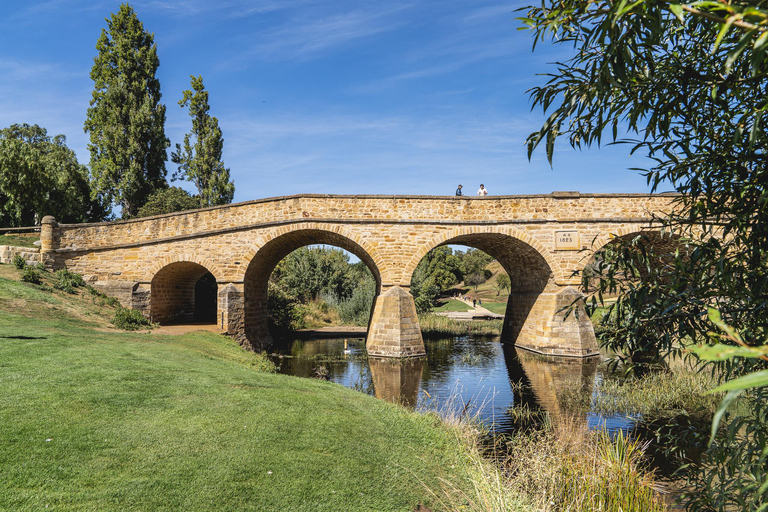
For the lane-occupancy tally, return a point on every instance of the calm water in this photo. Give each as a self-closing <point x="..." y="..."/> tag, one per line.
<point x="481" y="377"/>
<point x="477" y="375"/>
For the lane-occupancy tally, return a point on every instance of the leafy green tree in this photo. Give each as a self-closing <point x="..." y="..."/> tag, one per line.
<point x="126" y="119"/>
<point x="502" y="283"/>
<point x="168" y="200"/>
<point x="474" y="280"/>
<point x="199" y="160"/>
<point x="310" y="271"/>
<point x="687" y="86"/>
<point x="474" y="261"/>
<point x="40" y="175"/>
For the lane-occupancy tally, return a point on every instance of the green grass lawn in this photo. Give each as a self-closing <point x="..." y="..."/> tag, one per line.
<point x="452" y="305"/>
<point x="94" y="419"/>
<point x="21" y="241"/>
<point x="500" y="308"/>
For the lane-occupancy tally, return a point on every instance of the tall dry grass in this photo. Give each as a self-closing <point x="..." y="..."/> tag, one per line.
<point x="562" y="467"/>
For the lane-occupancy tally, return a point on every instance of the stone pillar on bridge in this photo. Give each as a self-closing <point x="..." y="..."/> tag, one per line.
<point x="394" y="327"/>
<point x="552" y="322"/>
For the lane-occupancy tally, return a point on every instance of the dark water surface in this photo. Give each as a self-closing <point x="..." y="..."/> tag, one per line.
<point x="477" y="376"/>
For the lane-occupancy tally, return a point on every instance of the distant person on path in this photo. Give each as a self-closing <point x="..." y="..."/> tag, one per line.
<point x="479" y="302"/>
<point x="459" y="192"/>
<point x="483" y="191"/>
<point x="474" y="303"/>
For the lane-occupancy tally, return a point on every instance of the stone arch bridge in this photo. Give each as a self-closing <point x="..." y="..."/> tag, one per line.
<point x="153" y="264"/>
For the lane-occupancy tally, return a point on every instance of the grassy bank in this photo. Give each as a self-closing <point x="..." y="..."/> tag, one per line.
<point x="20" y="240"/>
<point x="434" y="326"/>
<point x="98" y="419"/>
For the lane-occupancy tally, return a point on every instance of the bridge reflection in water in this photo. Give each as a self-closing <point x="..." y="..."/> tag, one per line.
<point x="480" y="373"/>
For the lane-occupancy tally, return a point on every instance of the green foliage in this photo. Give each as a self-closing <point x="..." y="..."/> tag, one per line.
<point x="308" y="272"/>
<point x="356" y="310"/>
<point x="31" y="275"/>
<point x="688" y="84"/>
<point x="19" y="262"/>
<point x="284" y="310"/>
<point x="503" y="283"/>
<point x="68" y="281"/>
<point x="101" y="299"/>
<point x="474" y="280"/>
<point x="473" y="261"/>
<point x="40" y="175"/>
<point x="200" y="159"/>
<point x="439" y="270"/>
<point x="130" y="319"/>
<point x="126" y="119"/>
<point x="168" y="200"/>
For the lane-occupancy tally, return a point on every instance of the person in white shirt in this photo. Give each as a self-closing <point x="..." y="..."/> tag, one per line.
<point x="483" y="191"/>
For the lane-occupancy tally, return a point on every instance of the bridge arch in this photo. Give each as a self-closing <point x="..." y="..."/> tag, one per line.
<point x="662" y="245"/>
<point x="263" y="260"/>
<point x="534" y="317"/>
<point x="183" y="291"/>
<point x="514" y="249"/>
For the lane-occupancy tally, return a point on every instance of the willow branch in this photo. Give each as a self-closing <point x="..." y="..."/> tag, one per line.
<point x="738" y="23"/>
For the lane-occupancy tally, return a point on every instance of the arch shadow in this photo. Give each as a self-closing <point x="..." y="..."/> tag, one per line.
<point x="183" y="292"/>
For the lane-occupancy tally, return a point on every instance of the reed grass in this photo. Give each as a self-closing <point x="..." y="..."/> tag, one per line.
<point x="571" y="469"/>
<point x="560" y="467"/>
<point x="435" y="326"/>
<point x="682" y="389"/>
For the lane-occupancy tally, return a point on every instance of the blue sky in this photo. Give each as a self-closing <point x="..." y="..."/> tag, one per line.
<point x="322" y="96"/>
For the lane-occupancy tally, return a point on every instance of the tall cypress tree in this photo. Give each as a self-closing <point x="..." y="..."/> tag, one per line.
<point x="126" y="119"/>
<point x="200" y="161"/>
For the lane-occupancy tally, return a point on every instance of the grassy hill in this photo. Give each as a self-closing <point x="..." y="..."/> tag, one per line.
<point x="487" y="292"/>
<point x="97" y="419"/>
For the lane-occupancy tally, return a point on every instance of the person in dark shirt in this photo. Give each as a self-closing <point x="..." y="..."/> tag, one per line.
<point x="459" y="192"/>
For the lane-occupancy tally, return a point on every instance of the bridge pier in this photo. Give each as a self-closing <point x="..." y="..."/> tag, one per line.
<point x="394" y="328"/>
<point x="231" y="309"/>
<point x="539" y="322"/>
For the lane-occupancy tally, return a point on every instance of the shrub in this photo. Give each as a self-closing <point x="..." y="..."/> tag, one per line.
<point x="130" y="319"/>
<point x="356" y="310"/>
<point x="31" y="275"/>
<point x="101" y="299"/>
<point x="68" y="281"/>
<point x="18" y="262"/>
<point x="285" y="311"/>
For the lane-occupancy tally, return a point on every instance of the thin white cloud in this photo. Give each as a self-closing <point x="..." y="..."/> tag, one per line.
<point x="316" y="31"/>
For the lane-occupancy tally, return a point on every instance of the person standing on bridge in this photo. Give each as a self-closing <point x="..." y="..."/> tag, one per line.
<point x="459" y="192"/>
<point x="483" y="191"/>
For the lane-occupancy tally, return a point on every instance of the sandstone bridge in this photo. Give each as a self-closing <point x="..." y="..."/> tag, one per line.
<point x="153" y="264"/>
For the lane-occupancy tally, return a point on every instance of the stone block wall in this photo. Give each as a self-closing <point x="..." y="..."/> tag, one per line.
<point x="8" y="252"/>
